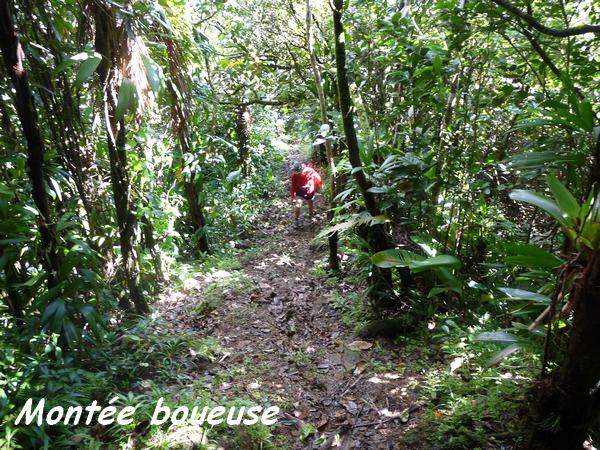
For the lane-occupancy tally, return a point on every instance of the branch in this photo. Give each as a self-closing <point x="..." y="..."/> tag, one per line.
<point x="575" y="31"/>
<point x="256" y="101"/>
<point x="540" y="51"/>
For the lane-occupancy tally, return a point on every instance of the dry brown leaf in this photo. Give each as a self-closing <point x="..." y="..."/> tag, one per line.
<point x="360" y="345"/>
<point x="360" y="368"/>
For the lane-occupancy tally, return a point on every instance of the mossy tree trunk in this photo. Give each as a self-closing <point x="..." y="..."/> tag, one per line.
<point x="243" y="122"/>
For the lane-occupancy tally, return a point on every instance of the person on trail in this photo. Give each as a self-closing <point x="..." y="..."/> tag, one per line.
<point x="305" y="183"/>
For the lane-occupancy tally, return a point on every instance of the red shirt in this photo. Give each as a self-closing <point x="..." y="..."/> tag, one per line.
<point x="308" y="179"/>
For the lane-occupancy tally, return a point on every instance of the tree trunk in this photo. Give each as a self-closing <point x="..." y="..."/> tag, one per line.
<point x="77" y="152"/>
<point x="197" y="214"/>
<point x="381" y="280"/>
<point x="180" y="113"/>
<point x="150" y="244"/>
<point x="242" y="129"/>
<point x="572" y="398"/>
<point x="443" y="137"/>
<point x="334" y="261"/>
<point x="108" y="43"/>
<point x="13" y="58"/>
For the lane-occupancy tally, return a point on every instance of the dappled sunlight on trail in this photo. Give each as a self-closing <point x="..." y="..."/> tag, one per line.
<point x="284" y="343"/>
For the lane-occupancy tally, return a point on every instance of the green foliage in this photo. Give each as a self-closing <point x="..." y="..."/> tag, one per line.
<point x="470" y="403"/>
<point x="579" y="222"/>
<point x="458" y="111"/>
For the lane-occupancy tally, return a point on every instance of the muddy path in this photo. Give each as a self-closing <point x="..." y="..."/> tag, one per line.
<point x="283" y="342"/>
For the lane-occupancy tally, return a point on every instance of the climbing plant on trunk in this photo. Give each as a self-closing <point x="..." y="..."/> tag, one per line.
<point x="111" y="43"/>
<point x="180" y="120"/>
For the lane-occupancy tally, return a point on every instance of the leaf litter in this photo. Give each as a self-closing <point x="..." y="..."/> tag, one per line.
<point x="284" y="342"/>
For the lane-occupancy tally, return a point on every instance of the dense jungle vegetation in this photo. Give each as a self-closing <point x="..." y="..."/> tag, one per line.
<point x="445" y="295"/>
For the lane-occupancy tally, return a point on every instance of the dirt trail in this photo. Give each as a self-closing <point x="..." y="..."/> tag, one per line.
<point x="284" y="342"/>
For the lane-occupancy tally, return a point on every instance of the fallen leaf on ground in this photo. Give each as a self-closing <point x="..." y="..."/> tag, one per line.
<point x="301" y="412"/>
<point x="351" y="407"/>
<point x="360" y="345"/>
<point x="360" y="368"/>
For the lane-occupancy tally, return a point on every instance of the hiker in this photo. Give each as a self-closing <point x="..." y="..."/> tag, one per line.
<point x="306" y="181"/>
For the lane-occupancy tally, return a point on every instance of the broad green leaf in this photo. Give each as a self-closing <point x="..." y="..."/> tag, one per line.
<point x="416" y="263"/>
<point x="522" y="294"/>
<point x="394" y="258"/>
<point x="448" y="278"/>
<point x="565" y="200"/>
<point x="56" y="188"/>
<point x="586" y="114"/>
<point x="447" y="261"/>
<point x="126" y="100"/>
<point x="234" y="176"/>
<point x="69" y="62"/>
<point x="440" y="290"/>
<point x="504" y="353"/>
<point x="500" y="337"/>
<point x="586" y="207"/>
<point x="17" y="240"/>
<point x="53" y="315"/>
<point x="34" y="280"/>
<point x="539" y="159"/>
<point x="324" y="130"/>
<point x="437" y="64"/>
<point x="528" y="255"/>
<point x="87" y="68"/>
<point x="590" y="234"/>
<point x="70" y="333"/>
<point x="92" y="318"/>
<point x="541" y="201"/>
<point x="378" y="189"/>
<point x="153" y="73"/>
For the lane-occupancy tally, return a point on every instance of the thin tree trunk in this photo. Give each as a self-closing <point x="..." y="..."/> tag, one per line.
<point x="150" y="244"/>
<point x="180" y="112"/>
<point x="443" y="137"/>
<point x="77" y="152"/>
<point x="334" y="261"/>
<point x="197" y="214"/>
<point x="108" y="43"/>
<point x="378" y="239"/>
<point x="13" y="58"/>
<point x="242" y="128"/>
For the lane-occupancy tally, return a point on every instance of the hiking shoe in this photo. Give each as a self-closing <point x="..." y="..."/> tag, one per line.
<point x="296" y="223"/>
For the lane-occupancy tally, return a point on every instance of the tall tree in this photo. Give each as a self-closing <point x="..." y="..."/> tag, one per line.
<point x="180" y="118"/>
<point x="111" y="43"/>
<point x="570" y="398"/>
<point x="377" y="236"/>
<point x="334" y="262"/>
<point x="69" y="134"/>
<point x="13" y="55"/>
